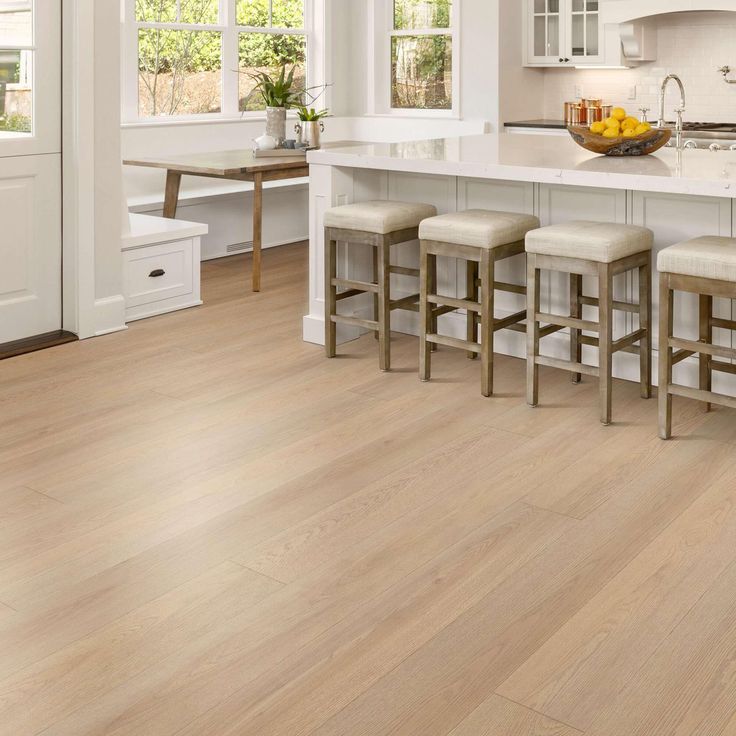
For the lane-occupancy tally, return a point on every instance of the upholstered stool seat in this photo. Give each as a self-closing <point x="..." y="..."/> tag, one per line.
<point x="704" y="266"/>
<point x="710" y="257"/>
<point x="379" y="225"/>
<point x="478" y="228"/>
<point x="380" y="217"/>
<point x="481" y="238"/>
<point x="600" y="242"/>
<point x="601" y="250"/>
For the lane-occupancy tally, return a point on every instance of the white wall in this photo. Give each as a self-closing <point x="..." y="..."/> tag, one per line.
<point x="479" y="60"/>
<point x="693" y="45"/>
<point x="521" y="89"/>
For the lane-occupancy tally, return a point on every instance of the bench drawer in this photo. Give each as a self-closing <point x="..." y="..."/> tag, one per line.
<point x="160" y="278"/>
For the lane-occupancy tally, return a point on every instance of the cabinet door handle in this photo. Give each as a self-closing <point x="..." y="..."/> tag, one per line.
<point x="156" y="273"/>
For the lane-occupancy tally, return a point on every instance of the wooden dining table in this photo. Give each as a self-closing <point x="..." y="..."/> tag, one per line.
<point x="240" y="165"/>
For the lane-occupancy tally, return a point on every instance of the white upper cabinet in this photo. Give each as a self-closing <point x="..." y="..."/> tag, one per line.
<point x="563" y="33"/>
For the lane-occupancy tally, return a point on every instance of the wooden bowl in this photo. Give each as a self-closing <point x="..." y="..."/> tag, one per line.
<point x="642" y="145"/>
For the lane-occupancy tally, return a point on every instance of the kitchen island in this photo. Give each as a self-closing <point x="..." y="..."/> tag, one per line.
<point x="678" y="195"/>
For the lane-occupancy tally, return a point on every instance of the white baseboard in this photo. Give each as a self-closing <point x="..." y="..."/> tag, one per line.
<point x="110" y="315"/>
<point x="223" y="253"/>
<point x="313" y="330"/>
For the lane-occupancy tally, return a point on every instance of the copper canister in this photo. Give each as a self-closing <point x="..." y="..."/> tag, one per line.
<point x="576" y="116"/>
<point x="591" y="102"/>
<point x="569" y="108"/>
<point x="606" y="111"/>
<point x="593" y="114"/>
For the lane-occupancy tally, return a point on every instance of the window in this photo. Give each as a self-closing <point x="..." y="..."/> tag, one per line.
<point x="276" y="36"/>
<point x="16" y="67"/>
<point x="422" y="55"/>
<point x="195" y="57"/>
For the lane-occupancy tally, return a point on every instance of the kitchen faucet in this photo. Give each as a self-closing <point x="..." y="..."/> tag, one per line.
<point x="679" y="110"/>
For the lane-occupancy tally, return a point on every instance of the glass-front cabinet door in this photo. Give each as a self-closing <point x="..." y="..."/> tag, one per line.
<point x="585" y="32"/>
<point x="564" y="33"/>
<point x="545" y="42"/>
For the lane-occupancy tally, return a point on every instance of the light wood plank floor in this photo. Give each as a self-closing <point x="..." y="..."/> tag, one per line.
<point x="208" y="529"/>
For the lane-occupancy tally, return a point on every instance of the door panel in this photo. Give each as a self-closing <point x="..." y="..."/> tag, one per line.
<point x="30" y="246"/>
<point x="30" y="168"/>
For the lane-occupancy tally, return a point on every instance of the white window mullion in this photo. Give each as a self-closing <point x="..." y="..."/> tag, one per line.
<point x="230" y="60"/>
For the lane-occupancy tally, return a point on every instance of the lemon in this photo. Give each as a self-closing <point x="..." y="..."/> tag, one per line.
<point x="642" y="128"/>
<point x="597" y="128"/>
<point x="611" y="133"/>
<point x="629" y="133"/>
<point x="618" y="113"/>
<point x="631" y="123"/>
<point x="612" y="123"/>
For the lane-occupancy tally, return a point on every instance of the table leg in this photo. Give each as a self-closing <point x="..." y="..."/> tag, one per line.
<point x="257" y="229"/>
<point x="171" y="198"/>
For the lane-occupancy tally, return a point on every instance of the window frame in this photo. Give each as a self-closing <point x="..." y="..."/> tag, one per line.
<point x="380" y="92"/>
<point x="230" y="31"/>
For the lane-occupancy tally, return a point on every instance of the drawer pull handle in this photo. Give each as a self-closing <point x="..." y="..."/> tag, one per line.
<point x="156" y="273"/>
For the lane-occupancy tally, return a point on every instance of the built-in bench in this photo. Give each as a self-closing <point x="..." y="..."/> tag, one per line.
<point x="227" y="210"/>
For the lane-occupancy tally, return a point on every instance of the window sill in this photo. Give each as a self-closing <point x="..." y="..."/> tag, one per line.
<point x="415" y="115"/>
<point x="178" y="122"/>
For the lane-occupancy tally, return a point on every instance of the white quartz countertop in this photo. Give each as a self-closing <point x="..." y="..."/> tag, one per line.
<point x="543" y="159"/>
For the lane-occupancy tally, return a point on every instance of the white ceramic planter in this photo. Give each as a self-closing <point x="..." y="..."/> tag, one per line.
<point x="276" y="123"/>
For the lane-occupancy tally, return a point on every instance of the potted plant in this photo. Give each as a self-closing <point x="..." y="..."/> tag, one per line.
<point x="311" y="126"/>
<point x="279" y="95"/>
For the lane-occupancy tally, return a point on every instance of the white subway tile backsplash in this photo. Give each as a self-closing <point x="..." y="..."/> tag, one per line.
<point x="692" y="45"/>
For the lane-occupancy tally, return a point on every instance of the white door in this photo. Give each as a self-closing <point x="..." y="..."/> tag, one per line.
<point x="30" y="168"/>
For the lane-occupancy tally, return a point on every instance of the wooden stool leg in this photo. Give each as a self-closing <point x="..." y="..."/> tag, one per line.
<point x="433" y="290"/>
<point x="384" y="306"/>
<point x="375" y="296"/>
<point x="576" y="311"/>
<point x="532" y="330"/>
<point x="605" y="296"/>
<point x="472" y="295"/>
<point x="666" y="304"/>
<point x="645" y="323"/>
<point x="426" y="266"/>
<point x="330" y="297"/>
<point x="488" y="292"/>
<point x="706" y="336"/>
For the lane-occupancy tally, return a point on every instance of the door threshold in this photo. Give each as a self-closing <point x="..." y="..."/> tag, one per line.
<point x="37" y="342"/>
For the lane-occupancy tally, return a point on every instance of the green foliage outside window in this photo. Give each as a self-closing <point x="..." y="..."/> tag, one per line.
<point x="180" y="71"/>
<point x="421" y="65"/>
<point x="411" y="14"/>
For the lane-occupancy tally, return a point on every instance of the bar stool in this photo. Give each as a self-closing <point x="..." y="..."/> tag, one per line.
<point x="379" y="224"/>
<point x="706" y="267"/>
<point x="595" y="249"/>
<point x="481" y="238"/>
